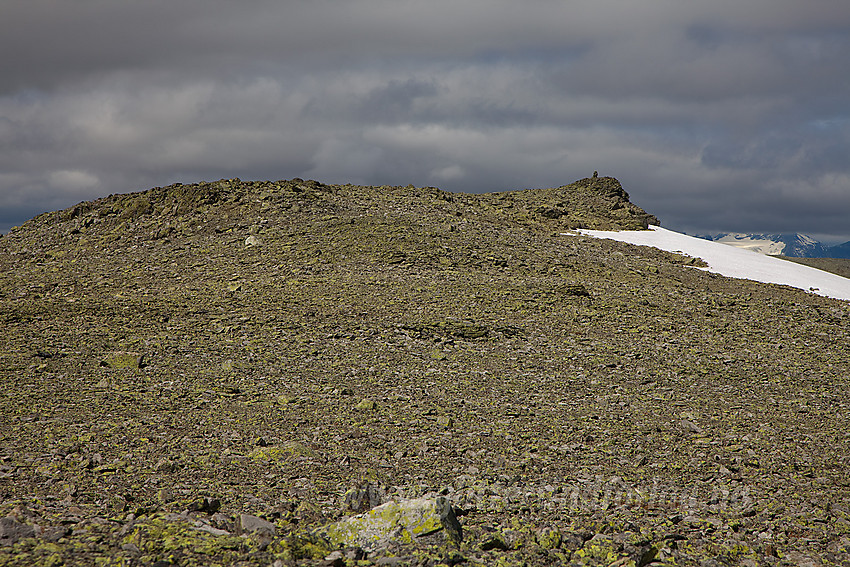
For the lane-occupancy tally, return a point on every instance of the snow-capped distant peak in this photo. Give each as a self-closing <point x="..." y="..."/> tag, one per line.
<point x="752" y="242"/>
<point x="795" y="245"/>
<point x="806" y="239"/>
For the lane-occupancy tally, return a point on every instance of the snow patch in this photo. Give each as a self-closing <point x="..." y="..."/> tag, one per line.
<point x="735" y="262"/>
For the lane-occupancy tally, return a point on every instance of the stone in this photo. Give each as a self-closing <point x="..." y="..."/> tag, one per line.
<point x="550" y="212"/>
<point x="690" y="427"/>
<point x="366" y="405"/>
<point x="463" y="330"/>
<point x="354" y="553"/>
<point x="165" y="466"/>
<point x="549" y="538"/>
<point x="335" y="559"/>
<point x="254" y="524"/>
<point x="52" y="534"/>
<point x="205" y="505"/>
<point x="122" y="359"/>
<point x="801" y="559"/>
<point x="11" y="530"/>
<point x="285" y="450"/>
<point x="448" y="519"/>
<point x="253" y="240"/>
<point x="599" y="547"/>
<point x="93" y="461"/>
<point x="392" y="561"/>
<point x="395" y="522"/>
<point x="494" y="543"/>
<point x="576" y="289"/>
<point x="165" y="495"/>
<point x="445" y="421"/>
<point x="203" y="526"/>
<point x="363" y="497"/>
<point x="647" y="555"/>
<point x="437" y="354"/>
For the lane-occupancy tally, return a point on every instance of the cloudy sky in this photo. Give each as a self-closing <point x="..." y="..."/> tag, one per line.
<point x="728" y="115"/>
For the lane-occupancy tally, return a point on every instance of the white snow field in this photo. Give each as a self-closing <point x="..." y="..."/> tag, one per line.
<point x="734" y="262"/>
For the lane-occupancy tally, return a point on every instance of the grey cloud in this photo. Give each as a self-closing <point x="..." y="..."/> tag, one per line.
<point x="385" y="100"/>
<point x="724" y="114"/>
<point x="771" y="151"/>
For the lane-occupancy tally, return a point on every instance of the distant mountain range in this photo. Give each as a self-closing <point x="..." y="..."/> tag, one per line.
<point x="794" y="245"/>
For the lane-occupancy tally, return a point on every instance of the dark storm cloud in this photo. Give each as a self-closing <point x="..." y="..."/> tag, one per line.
<point x="727" y="115"/>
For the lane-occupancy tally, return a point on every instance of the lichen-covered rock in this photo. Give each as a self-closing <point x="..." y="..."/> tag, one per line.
<point x="136" y="207"/>
<point x="366" y="405"/>
<point x="453" y="529"/>
<point x="549" y="538"/>
<point x="574" y="289"/>
<point x="601" y="548"/>
<point x="123" y="360"/>
<point x="396" y="522"/>
<point x="286" y="450"/>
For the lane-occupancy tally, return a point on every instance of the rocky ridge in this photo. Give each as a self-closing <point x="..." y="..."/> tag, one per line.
<point x="233" y="372"/>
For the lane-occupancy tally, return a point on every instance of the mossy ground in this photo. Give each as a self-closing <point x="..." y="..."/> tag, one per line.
<point x="545" y="413"/>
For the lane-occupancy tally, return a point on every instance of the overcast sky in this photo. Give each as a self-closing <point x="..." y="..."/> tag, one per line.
<point x="728" y="115"/>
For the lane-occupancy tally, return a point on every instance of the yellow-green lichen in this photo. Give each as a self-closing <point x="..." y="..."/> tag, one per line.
<point x="159" y="535"/>
<point x="283" y="451"/>
<point x="123" y="360"/>
<point x="401" y="521"/>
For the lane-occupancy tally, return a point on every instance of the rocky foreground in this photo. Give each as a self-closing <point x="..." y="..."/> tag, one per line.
<point x="292" y="373"/>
